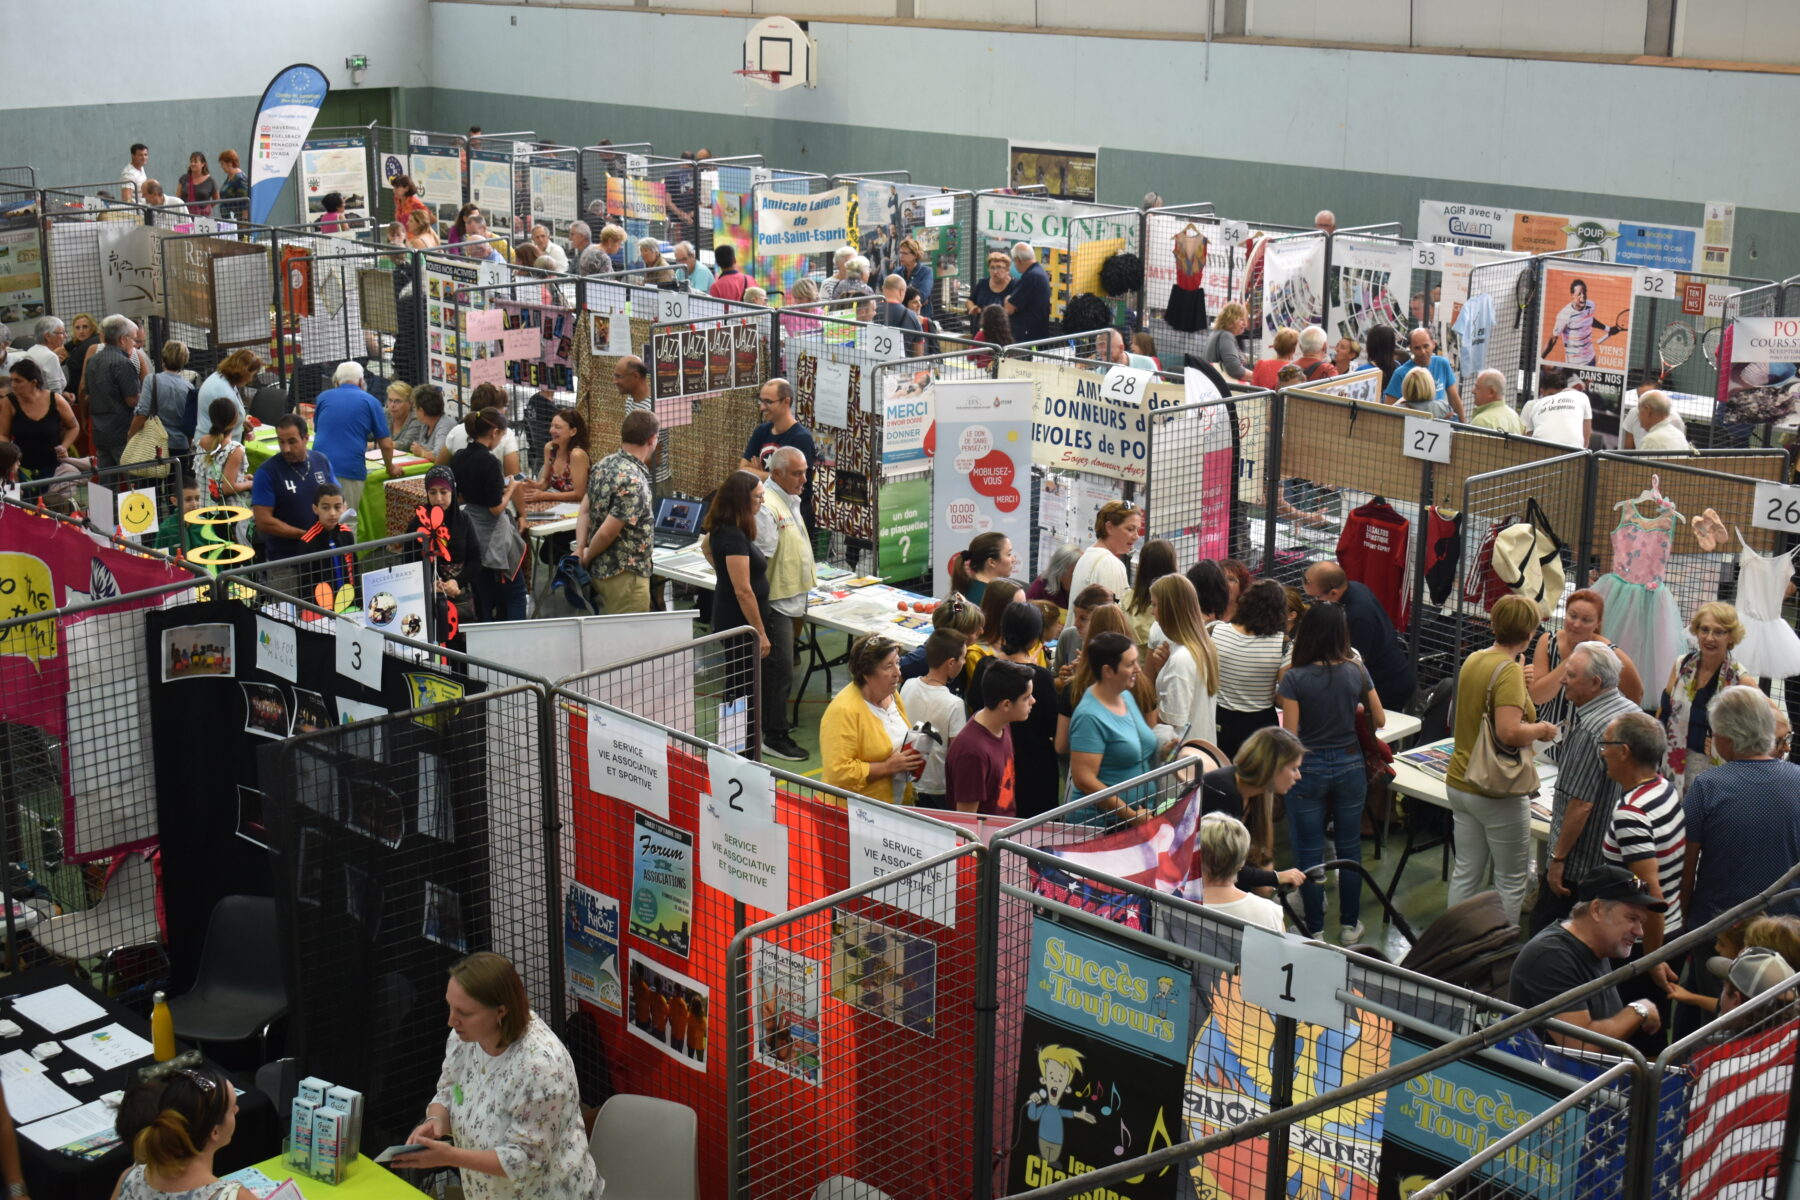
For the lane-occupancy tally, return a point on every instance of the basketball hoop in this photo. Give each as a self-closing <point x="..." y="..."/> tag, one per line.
<point x="766" y="78"/>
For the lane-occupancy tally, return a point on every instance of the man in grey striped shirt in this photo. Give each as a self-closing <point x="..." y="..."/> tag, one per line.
<point x="1585" y="794"/>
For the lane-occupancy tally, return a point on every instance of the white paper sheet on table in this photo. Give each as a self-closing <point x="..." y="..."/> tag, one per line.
<point x="109" y="1046"/>
<point x="53" y="1133"/>
<point x="58" y="1008"/>
<point x="30" y="1094"/>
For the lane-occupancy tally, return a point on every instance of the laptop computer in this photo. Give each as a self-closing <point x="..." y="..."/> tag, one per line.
<point x="677" y="522"/>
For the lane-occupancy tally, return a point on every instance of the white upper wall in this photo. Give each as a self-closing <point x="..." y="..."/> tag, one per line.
<point x="211" y="49"/>
<point x="1509" y="121"/>
<point x="1763" y="31"/>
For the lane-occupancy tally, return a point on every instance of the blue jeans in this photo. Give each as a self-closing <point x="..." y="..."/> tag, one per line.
<point x="498" y="599"/>
<point x="1334" y="783"/>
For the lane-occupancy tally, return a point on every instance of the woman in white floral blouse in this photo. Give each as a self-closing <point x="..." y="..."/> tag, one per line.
<point x="507" y="1094"/>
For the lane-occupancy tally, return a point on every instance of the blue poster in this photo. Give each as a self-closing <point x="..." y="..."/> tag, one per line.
<point x="1664" y="247"/>
<point x="662" y="884"/>
<point x="1457" y="1109"/>
<point x="1102" y="989"/>
<point x="591" y="948"/>
<point x="284" y="116"/>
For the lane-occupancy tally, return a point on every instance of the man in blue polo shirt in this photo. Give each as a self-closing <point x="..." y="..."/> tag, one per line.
<point x="1029" y="303"/>
<point x="281" y="497"/>
<point x="345" y="420"/>
<point x="1442" y="373"/>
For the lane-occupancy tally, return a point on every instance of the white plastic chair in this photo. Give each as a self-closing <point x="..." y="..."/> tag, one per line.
<point x="646" y="1149"/>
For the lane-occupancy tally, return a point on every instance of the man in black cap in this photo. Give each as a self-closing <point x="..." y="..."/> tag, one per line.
<point x="1607" y="921"/>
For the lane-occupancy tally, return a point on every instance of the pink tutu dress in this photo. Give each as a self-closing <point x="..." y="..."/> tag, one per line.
<point x="1641" y="615"/>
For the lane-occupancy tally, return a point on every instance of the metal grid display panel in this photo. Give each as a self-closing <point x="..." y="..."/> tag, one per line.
<point x="387" y="144"/>
<point x="340" y="300"/>
<point x="854" y="1036"/>
<point x="777" y="273"/>
<point x="1722" y="481"/>
<point x="1165" y="295"/>
<point x="721" y="178"/>
<point x="401" y="844"/>
<point x="70" y="495"/>
<point x="1208" y="477"/>
<point x="704" y="427"/>
<point x="1694" y="384"/>
<point x="897" y="511"/>
<point x="78" y="229"/>
<point x="217" y="296"/>
<point x="595" y="165"/>
<point x="76" y="786"/>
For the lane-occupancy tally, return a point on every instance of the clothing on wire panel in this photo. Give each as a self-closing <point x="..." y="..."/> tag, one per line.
<point x="1443" y="551"/>
<point x="1186" y="309"/>
<point x="1641" y="615"/>
<point x="1372" y="550"/>
<point x="1770" y="648"/>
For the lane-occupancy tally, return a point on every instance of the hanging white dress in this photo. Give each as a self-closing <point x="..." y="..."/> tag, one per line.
<point x="1771" y="648"/>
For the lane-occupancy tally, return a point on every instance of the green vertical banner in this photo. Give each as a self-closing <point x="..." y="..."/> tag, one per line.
<point x="904" y="550"/>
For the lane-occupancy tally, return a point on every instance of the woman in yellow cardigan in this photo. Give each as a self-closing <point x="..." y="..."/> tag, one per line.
<point x="862" y="737"/>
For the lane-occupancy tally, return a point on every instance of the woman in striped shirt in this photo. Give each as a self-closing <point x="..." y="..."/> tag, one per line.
<point x="1253" y="652"/>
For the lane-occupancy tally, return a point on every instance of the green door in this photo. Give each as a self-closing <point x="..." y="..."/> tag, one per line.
<point x="356" y="106"/>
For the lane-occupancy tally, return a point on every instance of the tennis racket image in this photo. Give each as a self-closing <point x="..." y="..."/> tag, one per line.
<point x="1674" y="346"/>
<point x="1620" y="324"/>
<point x="1524" y="291"/>
<point x="1709" y="344"/>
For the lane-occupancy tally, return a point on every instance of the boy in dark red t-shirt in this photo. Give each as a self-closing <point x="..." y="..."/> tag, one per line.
<point x="978" y="771"/>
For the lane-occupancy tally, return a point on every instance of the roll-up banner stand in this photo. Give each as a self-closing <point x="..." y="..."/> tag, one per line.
<point x="284" y="116"/>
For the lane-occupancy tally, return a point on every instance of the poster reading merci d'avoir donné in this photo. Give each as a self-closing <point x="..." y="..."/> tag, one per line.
<point x="1100" y="1062"/>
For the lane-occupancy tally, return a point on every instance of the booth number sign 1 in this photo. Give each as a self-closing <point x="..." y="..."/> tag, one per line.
<point x="1288" y="978"/>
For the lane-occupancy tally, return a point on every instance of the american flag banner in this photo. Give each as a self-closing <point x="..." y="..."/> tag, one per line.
<point x="1737" y="1107"/>
<point x="1158" y="854"/>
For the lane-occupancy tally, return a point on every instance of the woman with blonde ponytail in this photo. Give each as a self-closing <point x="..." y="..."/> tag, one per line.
<point x="195" y="1116"/>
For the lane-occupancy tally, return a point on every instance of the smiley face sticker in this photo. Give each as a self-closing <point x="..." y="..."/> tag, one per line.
<point x="137" y="511"/>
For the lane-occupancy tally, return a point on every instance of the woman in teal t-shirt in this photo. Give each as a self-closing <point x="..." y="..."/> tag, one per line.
<point x="1109" y="740"/>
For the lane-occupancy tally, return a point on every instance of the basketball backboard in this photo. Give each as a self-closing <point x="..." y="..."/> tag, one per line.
<point x="779" y="54"/>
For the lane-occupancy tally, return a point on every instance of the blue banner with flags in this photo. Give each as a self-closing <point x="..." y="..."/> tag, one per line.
<point x="284" y="116"/>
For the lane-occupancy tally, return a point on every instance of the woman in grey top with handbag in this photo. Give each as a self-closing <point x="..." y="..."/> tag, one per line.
<point x="1492" y="773"/>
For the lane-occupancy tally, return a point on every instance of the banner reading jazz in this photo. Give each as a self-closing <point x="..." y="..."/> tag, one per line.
<point x="284" y="116"/>
<point x="982" y="466"/>
<point x="790" y="223"/>
<point x="1100" y="1055"/>
<point x="1586" y="318"/>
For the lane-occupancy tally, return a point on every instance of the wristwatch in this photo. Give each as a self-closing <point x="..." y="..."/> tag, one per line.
<point x="16" y="1189"/>
<point x="1644" y="1008"/>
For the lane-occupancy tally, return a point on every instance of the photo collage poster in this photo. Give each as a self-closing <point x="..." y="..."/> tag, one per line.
<point x="450" y="351"/>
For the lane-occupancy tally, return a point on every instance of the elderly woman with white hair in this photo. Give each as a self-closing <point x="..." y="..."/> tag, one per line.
<point x="650" y="255"/>
<point x="50" y="353"/>
<point x="1224" y="845"/>
<point x="840" y="262"/>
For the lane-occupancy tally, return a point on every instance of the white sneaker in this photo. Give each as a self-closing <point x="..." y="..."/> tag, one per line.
<point x="1349" y="935"/>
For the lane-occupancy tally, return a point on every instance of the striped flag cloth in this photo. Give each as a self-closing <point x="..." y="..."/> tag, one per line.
<point x="1737" y="1113"/>
<point x="1158" y="854"/>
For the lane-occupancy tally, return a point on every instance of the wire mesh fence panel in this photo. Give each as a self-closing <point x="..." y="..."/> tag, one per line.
<point x="903" y="482"/>
<point x="940" y="220"/>
<point x="341" y="300"/>
<point x="217" y="296"/>
<point x="22" y="238"/>
<point x="139" y="502"/>
<point x="433" y="161"/>
<point x="783" y="195"/>
<point x="1370" y="283"/>
<point x="1491" y="483"/>
<point x="21" y="176"/>
<point x="598" y="168"/>
<point x="704" y="690"/>
<point x="1208" y="476"/>
<point x="1636" y="502"/>
<point x="636" y="782"/>
<point x="1675" y="335"/>
<point x="83" y="237"/>
<point x="830" y="359"/>
<point x="403" y="843"/>
<point x="1187" y="280"/>
<point x="839" y="1011"/>
<point x="705" y="372"/>
<point x="78" y="800"/>
<point x="722" y="201"/>
<point x="552" y="177"/>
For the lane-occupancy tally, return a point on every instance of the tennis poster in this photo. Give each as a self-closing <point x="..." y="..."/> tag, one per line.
<point x="1585" y="318"/>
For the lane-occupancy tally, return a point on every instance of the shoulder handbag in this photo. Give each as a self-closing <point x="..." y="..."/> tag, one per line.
<point x="149" y="445"/>
<point x="1495" y="768"/>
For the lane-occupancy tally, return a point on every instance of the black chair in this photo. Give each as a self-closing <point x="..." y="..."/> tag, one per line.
<point x="269" y="403"/>
<point x="241" y="988"/>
